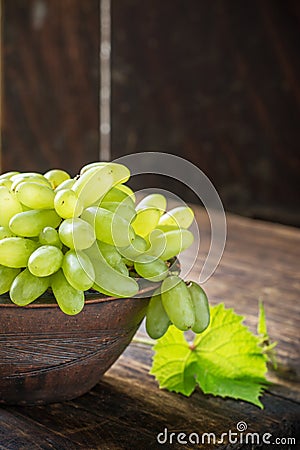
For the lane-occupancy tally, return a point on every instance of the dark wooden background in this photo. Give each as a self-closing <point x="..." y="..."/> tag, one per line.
<point x="215" y="82"/>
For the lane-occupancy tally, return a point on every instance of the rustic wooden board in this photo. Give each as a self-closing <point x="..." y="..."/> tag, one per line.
<point x="218" y="83"/>
<point x="50" y="92"/>
<point x="127" y="410"/>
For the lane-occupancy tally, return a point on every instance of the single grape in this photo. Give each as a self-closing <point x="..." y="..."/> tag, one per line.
<point x="122" y="268"/>
<point x="67" y="204"/>
<point x="157" y="201"/>
<point x="56" y="177"/>
<point x="181" y="216"/>
<point x="92" y="185"/>
<point x="7" y="276"/>
<point x="15" y="251"/>
<point x="5" y="232"/>
<point x="127" y="190"/>
<point x="8" y="175"/>
<point x="145" y="221"/>
<point x="49" y="236"/>
<point x="45" y="260"/>
<point x="69" y="299"/>
<point x="67" y="184"/>
<point x="109" y="227"/>
<point x="169" y="244"/>
<point x="177" y="302"/>
<point x="76" y="233"/>
<point x="37" y="178"/>
<point x="201" y="307"/>
<point x="108" y="280"/>
<point x="6" y="182"/>
<point x="35" y="195"/>
<point x="78" y="270"/>
<point x="119" y="172"/>
<point x="157" y="320"/>
<point x="31" y="223"/>
<point x="9" y="206"/>
<point x="124" y="210"/>
<point x="24" y="175"/>
<point x="26" y="288"/>
<point x="151" y="268"/>
<point x="110" y="253"/>
<point x="137" y="248"/>
<point x="116" y="195"/>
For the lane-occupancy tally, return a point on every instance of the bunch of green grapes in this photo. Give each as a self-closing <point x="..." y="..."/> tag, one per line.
<point x="71" y="235"/>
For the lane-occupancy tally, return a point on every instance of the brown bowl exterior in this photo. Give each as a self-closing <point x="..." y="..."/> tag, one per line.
<point x="47" y="356"/>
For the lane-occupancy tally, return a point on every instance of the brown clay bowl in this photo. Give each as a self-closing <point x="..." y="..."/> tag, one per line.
<point x="47" y="356"/>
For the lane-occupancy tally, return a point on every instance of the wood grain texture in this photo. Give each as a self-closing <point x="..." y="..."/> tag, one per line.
<point x="127" y="410"/>
<point x="50" y="84"/>
<point x="218" y="83"/>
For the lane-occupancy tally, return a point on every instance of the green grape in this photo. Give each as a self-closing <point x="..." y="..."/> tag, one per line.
<point x="127" y="190"/>
<point x="93" y="184"/>
<point x="108" y="280"/>
<point x="8" y="175"/>
<point x="67" y="184"/>
<point x="151" y="268"/>
<point x="122" y="268"/>
<point x="126" y="211"/>
<point x="78" y="270"/>
<point x="116" y="195"/>
<point x="109" y="227"/>
<point x="201" y="307"/>
<point x="119" y="172"/>
<point x="24" y="175"/>
<point x="145" y="221"/>
<point x="182" y="217"/>
<point x="5" y="232"/>
<point x="31" y="223"/>
<point x="135" y="249"/>
<point x="35" y="195"/>
<point x="26" y="288"/>
<point x="76" y="233"/>
<point x="6" y="182"/>
<point x="15" y="251"/>
<point x="157" y="320"/>
<point x="37" y="178"/>
<point x="45" y="260"/>
<point x="67" y="204"/>
<point x="113" y="257"/>
<point x="110" y="253"/>
<point x="7" y="276"/>
<point x="157" y="201"/>
<point x="169" y="244"/>
<point x="166" y="228"/>
<point x="49" y="236"/>
<point x="56" y="177"/>
<point x="177" y="302"/>
<point x="9" y="206"/>
<point x="69" y="299"/>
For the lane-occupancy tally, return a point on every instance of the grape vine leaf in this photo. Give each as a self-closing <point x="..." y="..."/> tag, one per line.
<point x="225" y="360"/>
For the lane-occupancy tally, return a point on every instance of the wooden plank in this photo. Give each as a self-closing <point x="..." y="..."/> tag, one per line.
<point x="50" y="95"/>
<point x="215" y="82"/>
<point x="17" y="432"/>
<point x="127" y="410"/>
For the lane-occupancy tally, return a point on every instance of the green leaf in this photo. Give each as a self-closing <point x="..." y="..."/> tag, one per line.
<point x="225" y="360"/>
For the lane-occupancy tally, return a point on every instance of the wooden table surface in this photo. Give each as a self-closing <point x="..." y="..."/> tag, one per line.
<point x="127" y="410"/>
